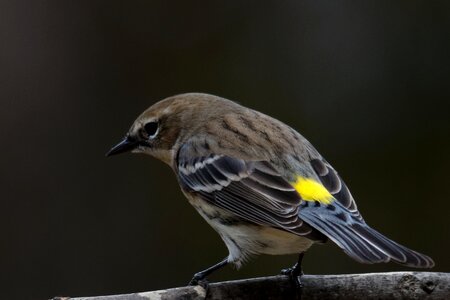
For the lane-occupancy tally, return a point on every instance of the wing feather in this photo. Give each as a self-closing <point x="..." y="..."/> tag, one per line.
<point x="335" y="185"/>
<point x="357" y="239"/>
<point x="256" y="192"/>
<point x="252" y="190"/>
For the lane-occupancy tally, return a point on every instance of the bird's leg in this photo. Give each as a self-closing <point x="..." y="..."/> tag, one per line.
<point x="295" y="272"/>
<point x="202" y="274"/>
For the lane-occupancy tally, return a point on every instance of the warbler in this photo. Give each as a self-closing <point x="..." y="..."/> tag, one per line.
<point x="259" y="183"/>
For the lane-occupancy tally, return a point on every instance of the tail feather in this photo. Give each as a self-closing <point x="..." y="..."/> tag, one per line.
<point x="353" y="245"/>
<point x="397" y="253"/>
<point x="358" y="240"/>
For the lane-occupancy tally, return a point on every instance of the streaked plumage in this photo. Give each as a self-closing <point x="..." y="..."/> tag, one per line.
<point x="259" y="183"/>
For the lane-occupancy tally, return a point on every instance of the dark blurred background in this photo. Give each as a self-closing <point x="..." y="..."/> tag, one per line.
<point x="366" y="82"/>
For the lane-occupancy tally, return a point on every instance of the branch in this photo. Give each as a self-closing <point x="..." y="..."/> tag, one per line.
<point x="395" y="285"/>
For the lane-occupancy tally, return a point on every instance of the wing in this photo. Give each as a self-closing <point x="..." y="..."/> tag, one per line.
<point x="335" y="185"/>
<point x="256" y="192"/>
<point x="343" y="224"/>
<point x="252" y="190"/>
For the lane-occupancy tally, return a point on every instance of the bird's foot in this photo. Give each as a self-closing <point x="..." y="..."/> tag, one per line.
<point x="199" y="279"/>
<point x="295" y="274"/>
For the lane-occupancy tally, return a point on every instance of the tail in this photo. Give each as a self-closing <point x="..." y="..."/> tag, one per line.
<point x="357" y="239"/>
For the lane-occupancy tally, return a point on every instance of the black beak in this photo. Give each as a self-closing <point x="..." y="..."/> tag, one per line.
<point x="127" y="144"/>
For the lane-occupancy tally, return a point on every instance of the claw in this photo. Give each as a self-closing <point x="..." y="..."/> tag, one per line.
<point x="295" y="275"/>
<point x="201" y="282"/>
<point x="198" y="279"/>
<point x="286" y="271"/>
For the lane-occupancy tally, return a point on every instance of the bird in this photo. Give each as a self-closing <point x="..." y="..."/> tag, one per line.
<point x="259" y="183"/>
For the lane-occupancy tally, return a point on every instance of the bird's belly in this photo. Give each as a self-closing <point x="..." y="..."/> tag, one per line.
<point x="244" y="238"/>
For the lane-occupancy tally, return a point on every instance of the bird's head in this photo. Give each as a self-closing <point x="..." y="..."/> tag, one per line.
<point x="159" y="129"/>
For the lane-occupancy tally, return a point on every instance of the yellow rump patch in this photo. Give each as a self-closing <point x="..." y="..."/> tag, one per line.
<point x="311" y="190"/>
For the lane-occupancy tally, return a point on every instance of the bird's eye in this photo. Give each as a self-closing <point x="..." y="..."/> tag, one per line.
<point x="151" y="128"/>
